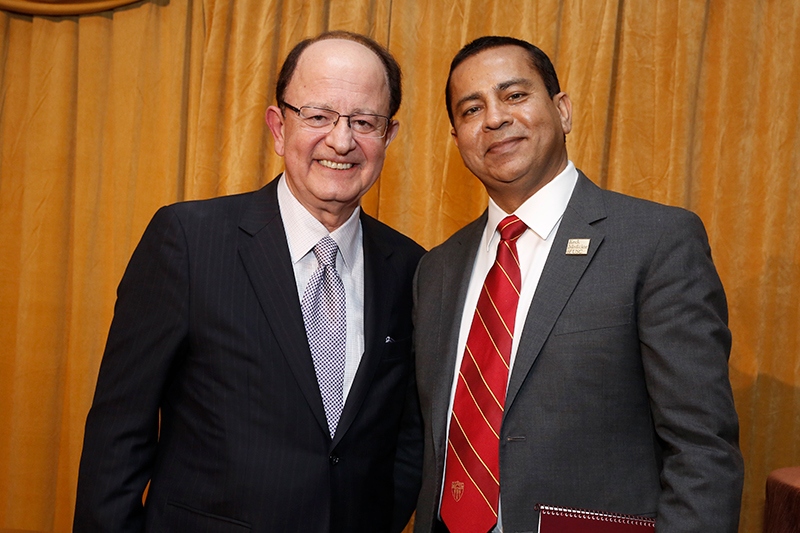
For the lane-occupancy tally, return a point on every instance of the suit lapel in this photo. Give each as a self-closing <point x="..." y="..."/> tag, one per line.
<point x="559" y="278"/>
<point x="380" y="279"/>
<point x="456" y="264"/>
<point x="265" y="254"/>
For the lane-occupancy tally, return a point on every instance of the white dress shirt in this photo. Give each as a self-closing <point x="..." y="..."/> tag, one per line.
<point x="542" y="213"/>
<point x="303" y="232"/>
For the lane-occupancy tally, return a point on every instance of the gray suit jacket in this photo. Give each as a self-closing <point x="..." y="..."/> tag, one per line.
<point x="619" y="398"/>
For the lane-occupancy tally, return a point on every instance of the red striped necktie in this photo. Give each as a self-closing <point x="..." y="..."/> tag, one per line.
<point x="471" y="483"/>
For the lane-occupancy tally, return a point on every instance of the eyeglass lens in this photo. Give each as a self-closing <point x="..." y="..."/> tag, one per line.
<point x="365" y="125"/>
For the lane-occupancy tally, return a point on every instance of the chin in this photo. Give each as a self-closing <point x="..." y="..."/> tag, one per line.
<point x="340" y="195"/>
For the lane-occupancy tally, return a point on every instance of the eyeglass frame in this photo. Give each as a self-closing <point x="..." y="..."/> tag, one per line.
<point x="338" y="116"/>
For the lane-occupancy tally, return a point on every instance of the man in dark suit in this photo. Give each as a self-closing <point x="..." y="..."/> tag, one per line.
<point x="589" y="369"/>
<point x="255" y="382"/>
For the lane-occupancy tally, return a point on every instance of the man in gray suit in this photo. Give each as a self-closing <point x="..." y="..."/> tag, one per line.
<point x="571" y="343"/>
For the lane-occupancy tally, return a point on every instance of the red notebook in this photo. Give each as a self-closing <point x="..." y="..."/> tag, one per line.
<point x="568" y="520"/>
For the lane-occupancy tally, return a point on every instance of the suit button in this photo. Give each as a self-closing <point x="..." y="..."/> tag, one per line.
<point x="334" y="459"/>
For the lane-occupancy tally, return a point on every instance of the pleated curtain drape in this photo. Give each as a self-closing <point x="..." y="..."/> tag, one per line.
<point x="104" y="117"/>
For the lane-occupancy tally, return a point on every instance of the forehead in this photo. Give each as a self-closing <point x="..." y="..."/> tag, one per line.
<point x="335" y="69"/>
<point x="491" y="69"/>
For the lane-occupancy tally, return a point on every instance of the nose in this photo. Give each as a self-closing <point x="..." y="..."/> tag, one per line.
<point x="340" y="138"/>
<point x="497" y="116"/>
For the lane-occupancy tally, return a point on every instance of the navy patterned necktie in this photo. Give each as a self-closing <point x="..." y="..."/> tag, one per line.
<point x="324" y="315"/>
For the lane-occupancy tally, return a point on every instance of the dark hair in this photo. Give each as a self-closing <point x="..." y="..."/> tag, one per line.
<point x="393" y="74"/>
<point x="539" y="61"/>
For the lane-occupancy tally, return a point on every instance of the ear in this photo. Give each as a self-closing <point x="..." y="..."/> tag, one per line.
<point x="564" y="107"/>
<point x="275" y="121"/>
<point x="391" y="133"/>
<point x="454" y="135"/>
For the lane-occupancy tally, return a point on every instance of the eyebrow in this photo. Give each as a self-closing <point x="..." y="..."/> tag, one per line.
<point x="329" y="107"/>
<point x="467" y="98"/>
<point x="516" y="81"/>
<point x="502" y="86"/>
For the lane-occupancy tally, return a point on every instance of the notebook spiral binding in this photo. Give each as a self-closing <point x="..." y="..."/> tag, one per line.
<point x="617" y="518"/>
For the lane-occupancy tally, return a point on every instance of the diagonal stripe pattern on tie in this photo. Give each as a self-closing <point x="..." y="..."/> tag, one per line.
<point x="472" y="472"/>
<point x="324" y="315"/>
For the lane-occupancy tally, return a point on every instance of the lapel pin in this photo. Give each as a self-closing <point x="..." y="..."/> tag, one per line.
<point x="578" y="246"/>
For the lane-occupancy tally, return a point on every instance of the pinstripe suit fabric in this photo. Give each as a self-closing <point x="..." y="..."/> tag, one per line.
<point x="208" y="331"/>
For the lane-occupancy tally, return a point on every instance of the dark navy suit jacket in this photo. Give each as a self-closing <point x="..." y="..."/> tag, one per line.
<point x="208" y="334"/>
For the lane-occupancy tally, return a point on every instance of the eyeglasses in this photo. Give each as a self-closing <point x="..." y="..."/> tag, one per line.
<point x="324" y="120"/>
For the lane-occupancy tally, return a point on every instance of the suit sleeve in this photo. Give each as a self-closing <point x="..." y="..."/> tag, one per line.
<point x="685" y="346"/>
<point x="145" y="341"/>
<point x="408" y="459"/>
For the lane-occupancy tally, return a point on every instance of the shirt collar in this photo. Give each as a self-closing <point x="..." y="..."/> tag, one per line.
<point x="303" y="231"/>
<point x="542" y="211"/>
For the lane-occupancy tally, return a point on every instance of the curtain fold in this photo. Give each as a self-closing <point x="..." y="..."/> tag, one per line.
<point x="105" y="117"/>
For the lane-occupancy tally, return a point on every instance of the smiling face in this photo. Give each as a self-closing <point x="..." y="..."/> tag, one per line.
<point x="330" y="172"/>
<point x="509" y="131"/>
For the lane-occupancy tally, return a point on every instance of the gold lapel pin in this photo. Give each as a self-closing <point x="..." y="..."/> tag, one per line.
<point x="578" y="246"/>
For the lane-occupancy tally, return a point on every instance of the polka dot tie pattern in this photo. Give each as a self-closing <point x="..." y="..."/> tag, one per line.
<point x="324" y="314"/>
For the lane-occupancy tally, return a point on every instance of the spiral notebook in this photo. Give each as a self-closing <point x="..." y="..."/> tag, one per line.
<point x="567" y="520"/>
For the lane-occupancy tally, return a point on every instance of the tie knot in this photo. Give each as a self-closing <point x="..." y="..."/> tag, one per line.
<point x="511" y="227"/>
<point x="325" y="250"/>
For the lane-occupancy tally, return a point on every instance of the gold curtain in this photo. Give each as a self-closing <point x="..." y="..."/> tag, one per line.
<point x="105" y="117"/>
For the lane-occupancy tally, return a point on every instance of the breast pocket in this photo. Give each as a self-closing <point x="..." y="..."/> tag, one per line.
<point x="609" y="317"/>
<point x="180" y="517"/>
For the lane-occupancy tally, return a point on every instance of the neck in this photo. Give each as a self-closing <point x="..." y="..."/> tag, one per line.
<point x="510" y="195"/>
<point x="332" y="222"/>
<point x="330" y="213"/>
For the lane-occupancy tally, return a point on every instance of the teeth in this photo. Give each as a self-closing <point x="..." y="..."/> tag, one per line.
<point x="335" y="166"/>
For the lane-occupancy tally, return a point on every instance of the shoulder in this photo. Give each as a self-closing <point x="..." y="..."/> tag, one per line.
<point x="252" y="206"/>
<point x="249" y="211"/>
<point x="630" y="206"/>
<point x="191" y="226"/>
<point x="636" y="218"/>
<point x="459" y="243"/>
<point x="639" y="231"/>
<point x="661" y="225"/>
<point x="209" y="210"/>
